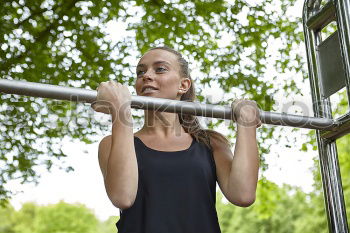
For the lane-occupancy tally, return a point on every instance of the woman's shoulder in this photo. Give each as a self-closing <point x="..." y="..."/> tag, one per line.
<point x="217" y="139"/>
<point x="142" y="133"/>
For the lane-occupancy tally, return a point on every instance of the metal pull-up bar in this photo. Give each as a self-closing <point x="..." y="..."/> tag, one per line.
<point x="159" y="104"/>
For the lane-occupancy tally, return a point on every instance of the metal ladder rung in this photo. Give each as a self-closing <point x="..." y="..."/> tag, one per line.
<point x="342" y="128"/>
<point x="323" y="17"/>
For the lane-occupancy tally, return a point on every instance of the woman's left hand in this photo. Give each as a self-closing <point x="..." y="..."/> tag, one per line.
<point x="246" y="113"/>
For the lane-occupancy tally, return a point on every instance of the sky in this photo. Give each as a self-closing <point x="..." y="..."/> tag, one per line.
<point x="85" y="184"/>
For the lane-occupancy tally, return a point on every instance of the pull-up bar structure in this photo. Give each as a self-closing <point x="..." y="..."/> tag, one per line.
<point x="329" y="72"/>
<point x="159" y="104"/>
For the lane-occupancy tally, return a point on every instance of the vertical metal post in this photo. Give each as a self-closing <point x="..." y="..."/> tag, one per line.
<point x="330" y="172"/>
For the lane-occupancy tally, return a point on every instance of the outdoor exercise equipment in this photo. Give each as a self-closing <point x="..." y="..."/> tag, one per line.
<point x="159" y="104"/>
<point x="329" y="71"/>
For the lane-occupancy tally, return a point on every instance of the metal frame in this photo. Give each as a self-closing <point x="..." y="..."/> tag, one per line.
<point x="314" y="19"/>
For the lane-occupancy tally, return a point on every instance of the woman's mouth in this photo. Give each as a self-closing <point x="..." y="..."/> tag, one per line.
<point x="149" y="90"/>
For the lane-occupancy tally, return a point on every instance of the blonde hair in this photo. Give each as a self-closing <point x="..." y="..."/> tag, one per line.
<point x="190" y="123"/>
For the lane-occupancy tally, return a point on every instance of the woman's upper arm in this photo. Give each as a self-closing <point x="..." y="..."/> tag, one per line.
<point x="104" y="149"/>
<point x="223" y="160"/>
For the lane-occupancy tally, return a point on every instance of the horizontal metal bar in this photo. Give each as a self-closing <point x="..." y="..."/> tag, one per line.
<point x="342" y="127"/>
<point x="159" y="104"/>
<point x="323" y="17"/>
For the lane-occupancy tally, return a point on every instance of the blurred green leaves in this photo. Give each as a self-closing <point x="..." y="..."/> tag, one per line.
<point x="282" y="209"/>
<point x="61" y="217"/>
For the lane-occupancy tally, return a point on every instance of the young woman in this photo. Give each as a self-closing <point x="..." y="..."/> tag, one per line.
<point x="163" y="177"/>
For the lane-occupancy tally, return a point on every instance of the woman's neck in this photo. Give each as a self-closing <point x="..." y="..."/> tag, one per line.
<point x="162" y="124"/>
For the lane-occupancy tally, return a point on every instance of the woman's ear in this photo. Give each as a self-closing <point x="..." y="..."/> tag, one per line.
<point x="184" y="85"/>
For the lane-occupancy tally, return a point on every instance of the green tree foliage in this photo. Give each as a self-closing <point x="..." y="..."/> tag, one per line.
<point x="277" y="209"/>
<point x="65" y="218"/>
<point x="23" y="220"/>
<point x="344" y="162"/>
<point x="58" y="218"/>
<point x="6" y="216"/>
<point x="67" y="43"/>
<point x="108" y="226"/>
<point x="314" y="217"/>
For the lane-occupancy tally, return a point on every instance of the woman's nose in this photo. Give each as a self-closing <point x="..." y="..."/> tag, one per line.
<point x="148" y="75"/>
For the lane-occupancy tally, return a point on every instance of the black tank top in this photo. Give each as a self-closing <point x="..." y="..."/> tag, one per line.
<point x="176" y="192"/>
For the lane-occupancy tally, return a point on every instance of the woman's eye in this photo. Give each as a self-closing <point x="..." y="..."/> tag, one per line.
<point x="161" y="69"/>
<point x="140" y="72"/>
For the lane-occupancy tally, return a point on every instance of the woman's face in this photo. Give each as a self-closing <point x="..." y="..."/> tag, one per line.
<point x="160" y="71"/>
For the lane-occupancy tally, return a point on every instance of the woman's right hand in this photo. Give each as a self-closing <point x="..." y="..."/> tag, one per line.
<point x="112" y="97"/>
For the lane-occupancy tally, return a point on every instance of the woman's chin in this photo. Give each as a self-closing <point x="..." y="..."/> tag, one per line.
<point x="157" y="95"/>
<point x="148" y="94"/>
